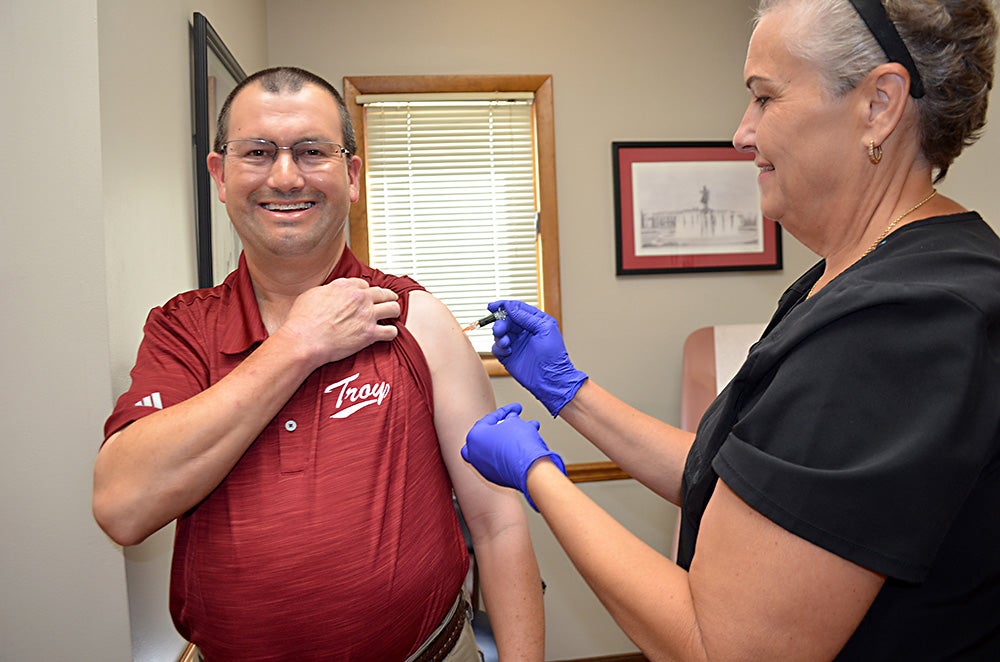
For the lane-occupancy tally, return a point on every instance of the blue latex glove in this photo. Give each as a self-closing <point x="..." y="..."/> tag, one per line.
<point x="502" y="446"/>
<point x="528" y="344"/>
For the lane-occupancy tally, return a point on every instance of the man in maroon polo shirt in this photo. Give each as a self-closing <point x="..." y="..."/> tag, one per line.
<point x="302" y="423"/>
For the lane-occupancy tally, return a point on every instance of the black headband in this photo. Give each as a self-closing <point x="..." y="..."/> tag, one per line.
<point x="873" y="14"/>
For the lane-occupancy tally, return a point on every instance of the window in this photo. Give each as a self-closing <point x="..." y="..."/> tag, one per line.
<point x="451" y="198"/>
<point x="458" y="188"/>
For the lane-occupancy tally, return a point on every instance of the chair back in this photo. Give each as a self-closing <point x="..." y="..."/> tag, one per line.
<point x="712" y="355"/>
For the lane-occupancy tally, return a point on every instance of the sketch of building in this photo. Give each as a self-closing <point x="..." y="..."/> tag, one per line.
<point x="696" y="208"/>
<point x="702" y="226"/>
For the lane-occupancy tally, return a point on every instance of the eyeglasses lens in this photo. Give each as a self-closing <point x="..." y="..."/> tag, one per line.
<point x="308" y="154"/>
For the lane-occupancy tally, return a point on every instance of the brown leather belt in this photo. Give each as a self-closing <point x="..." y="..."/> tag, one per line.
<point x="445" y="641"/>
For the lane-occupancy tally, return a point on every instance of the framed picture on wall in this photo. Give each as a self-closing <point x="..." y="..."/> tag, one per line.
<point x="689" y="206"/>
<point x="215" y="73"/>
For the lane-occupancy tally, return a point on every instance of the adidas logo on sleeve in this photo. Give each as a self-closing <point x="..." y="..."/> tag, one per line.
<point x="151" y="400"/>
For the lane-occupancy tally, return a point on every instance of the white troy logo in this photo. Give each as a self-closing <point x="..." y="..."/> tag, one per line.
<point x="356" y="397"/>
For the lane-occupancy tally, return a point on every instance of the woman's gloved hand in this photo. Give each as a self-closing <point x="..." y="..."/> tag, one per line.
<point x="502" y="446"/>
<point x="528" y="344"/>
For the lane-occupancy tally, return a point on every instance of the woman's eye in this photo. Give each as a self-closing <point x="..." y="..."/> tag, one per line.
<point x="761" y="101"/>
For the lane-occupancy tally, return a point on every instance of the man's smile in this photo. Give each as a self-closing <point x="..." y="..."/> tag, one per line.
<point x="287" y="206"/>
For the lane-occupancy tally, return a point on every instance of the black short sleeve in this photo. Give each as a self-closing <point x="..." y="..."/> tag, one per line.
<point x="849" y="439"/>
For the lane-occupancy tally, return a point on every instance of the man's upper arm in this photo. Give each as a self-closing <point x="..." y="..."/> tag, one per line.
<point x="462" y="390"/>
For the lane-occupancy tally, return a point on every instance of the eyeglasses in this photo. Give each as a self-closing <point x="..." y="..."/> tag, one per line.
<point x="258" y="153"/>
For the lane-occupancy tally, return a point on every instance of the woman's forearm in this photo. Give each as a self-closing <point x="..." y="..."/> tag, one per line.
<point x="648" y="449"/>
<point x="647" y="594"/>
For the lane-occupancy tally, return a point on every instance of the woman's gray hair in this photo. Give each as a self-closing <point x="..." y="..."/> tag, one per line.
<point x="952" y="42"/>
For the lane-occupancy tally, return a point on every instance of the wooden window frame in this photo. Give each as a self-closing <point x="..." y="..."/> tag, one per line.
<point x="547" y="242"/>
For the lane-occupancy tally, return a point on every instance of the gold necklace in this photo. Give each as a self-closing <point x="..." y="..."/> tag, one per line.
<point x="896" y="220"/>
<point x="886" y="232"/>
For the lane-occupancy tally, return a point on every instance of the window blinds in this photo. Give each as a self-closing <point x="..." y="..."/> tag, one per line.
<point x="451" y="200"/>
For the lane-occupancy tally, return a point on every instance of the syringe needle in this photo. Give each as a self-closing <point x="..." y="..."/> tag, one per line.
<point x="486" y="321"/>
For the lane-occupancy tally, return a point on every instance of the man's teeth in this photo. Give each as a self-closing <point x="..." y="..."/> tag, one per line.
<point x="297" y="206"/>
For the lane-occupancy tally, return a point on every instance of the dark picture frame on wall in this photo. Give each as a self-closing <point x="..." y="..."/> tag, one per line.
<point x="689" y="207"/>
<point x="214" y="74"/>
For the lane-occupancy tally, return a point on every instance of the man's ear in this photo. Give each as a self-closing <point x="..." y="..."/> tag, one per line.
<point x="216" y="168"/>
<point x="888" y="90"/>
<point x="354" y="177"/>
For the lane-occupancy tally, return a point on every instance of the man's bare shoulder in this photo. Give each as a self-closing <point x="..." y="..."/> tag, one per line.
<point x="428" y="314"/>
<point x="439" y="335"/>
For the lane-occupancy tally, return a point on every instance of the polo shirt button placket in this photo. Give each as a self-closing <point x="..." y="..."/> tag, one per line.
<point x="293" y="448"/>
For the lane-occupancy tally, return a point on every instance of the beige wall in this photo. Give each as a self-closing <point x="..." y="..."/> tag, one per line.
<point x="97" y="232"/>
<point x="97" y="229"/>
<point x="63" y="585"/>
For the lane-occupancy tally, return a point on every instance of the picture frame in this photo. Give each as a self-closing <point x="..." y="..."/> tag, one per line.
<point x="689" y="207"/>
<point x="214" y="74"/>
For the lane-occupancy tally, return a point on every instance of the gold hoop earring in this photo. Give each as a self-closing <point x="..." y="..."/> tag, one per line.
<point x="874" y="152"/>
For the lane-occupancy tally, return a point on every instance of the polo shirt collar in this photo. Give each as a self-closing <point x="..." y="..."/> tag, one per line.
<point x="242" y="326"/>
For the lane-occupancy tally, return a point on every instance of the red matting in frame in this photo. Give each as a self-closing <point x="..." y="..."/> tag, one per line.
<point x="628" y="262"/>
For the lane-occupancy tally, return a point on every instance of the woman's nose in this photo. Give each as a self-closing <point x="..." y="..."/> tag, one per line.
<point x="743" y="139"/>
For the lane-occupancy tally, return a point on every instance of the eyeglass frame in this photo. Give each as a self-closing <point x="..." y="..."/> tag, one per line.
<point x="341" y="150"/>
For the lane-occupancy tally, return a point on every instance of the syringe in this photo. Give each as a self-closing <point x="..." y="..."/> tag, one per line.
<point x="486" y="321"/>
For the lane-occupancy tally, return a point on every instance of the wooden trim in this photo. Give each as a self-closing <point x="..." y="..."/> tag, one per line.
<point x="358" y="223"/>
<point x="493" y="366"/>
<point x="548" y="214"/>
<point x="590" y="472"/>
